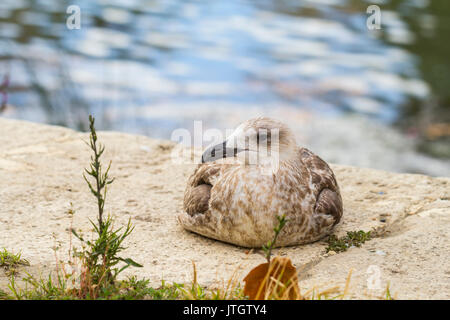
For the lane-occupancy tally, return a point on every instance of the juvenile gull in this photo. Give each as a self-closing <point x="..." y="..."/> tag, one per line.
<point x="234" y="199"/>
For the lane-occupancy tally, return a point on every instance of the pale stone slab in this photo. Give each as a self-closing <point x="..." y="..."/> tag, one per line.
<point x="41" y="174"/>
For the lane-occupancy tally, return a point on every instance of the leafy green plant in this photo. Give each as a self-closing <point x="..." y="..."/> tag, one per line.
<point x="388" y="295"/>
<point x="275" y="279"/>
<point x="40" y="288"/>
<point x="10" y="261"/>
<point x="164" y="292"/>
<point x="353" y="238"/>
<point x="101" y="179"/>
<point x="101" y="256"/>
<point x="270" y="244"/>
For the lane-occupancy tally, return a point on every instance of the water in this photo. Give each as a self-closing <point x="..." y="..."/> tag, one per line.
<point x="374" y="98"/>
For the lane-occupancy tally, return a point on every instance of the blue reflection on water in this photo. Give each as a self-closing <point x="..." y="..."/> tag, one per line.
<point x="150" y="66"/>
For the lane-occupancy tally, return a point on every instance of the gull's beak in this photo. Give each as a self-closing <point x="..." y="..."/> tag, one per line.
<point x="218" y="152"/>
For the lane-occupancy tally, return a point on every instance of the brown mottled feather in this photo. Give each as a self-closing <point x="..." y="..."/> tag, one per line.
<point x="329" y="199"/>
<point x="329" y="202"/>
<point x="197" y="201"/>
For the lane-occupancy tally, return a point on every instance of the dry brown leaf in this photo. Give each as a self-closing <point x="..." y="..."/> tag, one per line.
<point x="275" y="281"/>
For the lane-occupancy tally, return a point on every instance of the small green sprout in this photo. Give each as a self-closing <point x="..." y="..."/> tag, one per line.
<point x="270" y="244"/>
<point x="10" y="261"/>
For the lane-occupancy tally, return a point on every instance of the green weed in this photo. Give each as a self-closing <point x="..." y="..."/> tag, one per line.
<point x="10" y="261"/>
<point x="353" y="238"/>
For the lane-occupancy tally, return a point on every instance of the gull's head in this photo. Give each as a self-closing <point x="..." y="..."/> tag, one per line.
<point x="256" y="141"/>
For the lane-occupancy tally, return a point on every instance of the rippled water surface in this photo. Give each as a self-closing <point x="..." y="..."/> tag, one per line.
<point x="376" y="98"/>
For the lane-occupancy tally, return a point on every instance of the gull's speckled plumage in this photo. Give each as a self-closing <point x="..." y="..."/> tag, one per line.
<point x="237" y="203"/>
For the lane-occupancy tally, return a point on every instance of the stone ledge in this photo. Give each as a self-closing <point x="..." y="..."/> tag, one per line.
<point x="41" y="174"/>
